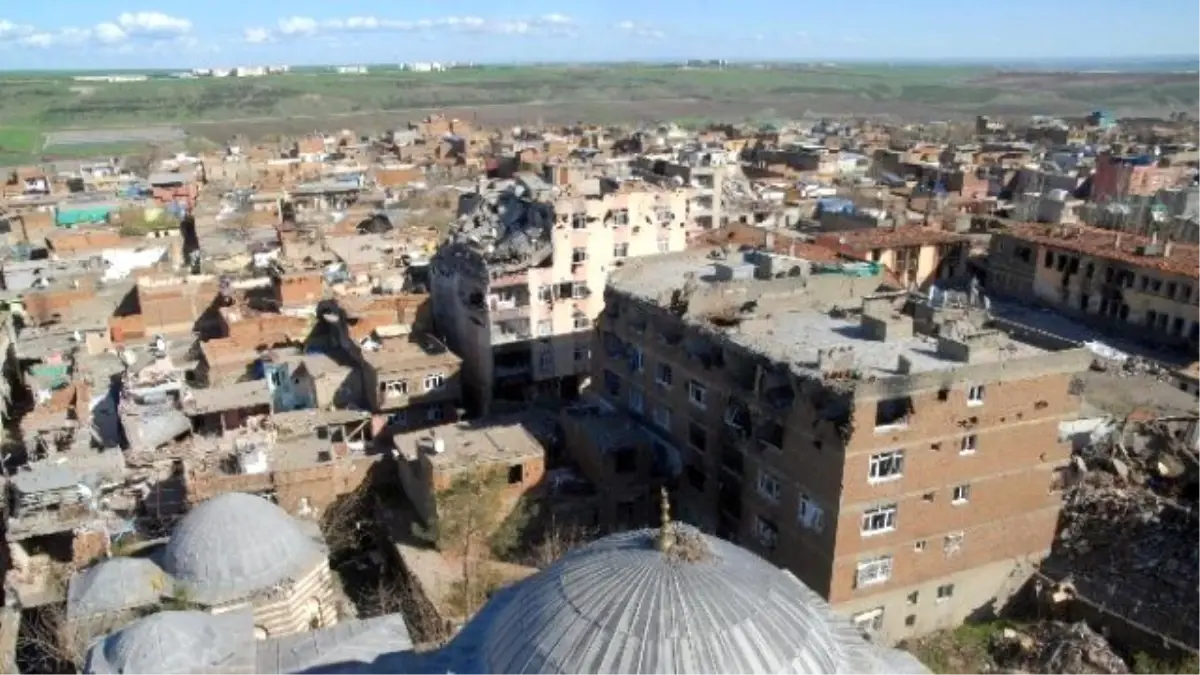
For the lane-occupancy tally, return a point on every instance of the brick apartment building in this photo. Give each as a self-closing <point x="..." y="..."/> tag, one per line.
<point x="1118" y="177"/>
<point x="901" y="459"/>
<point x="1135" y="284"/>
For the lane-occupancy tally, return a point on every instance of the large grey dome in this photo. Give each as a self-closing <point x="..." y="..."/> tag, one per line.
<point x="175" y="642"/>
<point x="622" y="606"/>
<point x="234" y="545"/>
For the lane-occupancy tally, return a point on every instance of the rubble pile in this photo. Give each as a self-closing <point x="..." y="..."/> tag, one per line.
<point x="1055" y="647"/>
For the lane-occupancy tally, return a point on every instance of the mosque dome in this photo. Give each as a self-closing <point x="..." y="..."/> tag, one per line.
<point x="622" y="605"/>
<point x="168" y="642"/>
<point x="113" y="585"/>
<point x="234" y="545"/>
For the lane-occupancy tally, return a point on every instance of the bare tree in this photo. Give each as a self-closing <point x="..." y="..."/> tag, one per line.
<point x="557" y="540"/>
<point x="48" y="643"/>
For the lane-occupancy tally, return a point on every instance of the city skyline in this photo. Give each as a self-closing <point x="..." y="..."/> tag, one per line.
<point x="109" y="34"/>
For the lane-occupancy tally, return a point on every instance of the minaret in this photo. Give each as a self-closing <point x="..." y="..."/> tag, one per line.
<point x="666" y="533"/>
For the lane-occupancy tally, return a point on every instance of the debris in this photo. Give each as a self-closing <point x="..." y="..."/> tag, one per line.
<point x="1055" y="647"/>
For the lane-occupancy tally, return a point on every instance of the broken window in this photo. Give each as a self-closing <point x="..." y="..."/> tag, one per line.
<point x="810" y="515"/>
<point x="962" y="494"/>
<point x="771" y="433"/>
<point x="394" y="388"/>
<point x="892" y="412"/>
<point x="516" y="474"/>
<point x="582" y="323"/>
<point x="873" y="571"/>
<point x="968" y="445"/>
<point x="637" y="400"/>
<point x="579" y="221"/>
<point x="879" y="520"/>
<point x="545" y="293"/>
<point x="619" y="216"/>
<point x="768" y="486"/>
<point x="945" y="592"/>
<point x="625" y="460"/>
<point x="434" y="381"/>
<point x="579" y="291"/>
<point x="733" y="461"/>
<point x="886" y="466"/>
<point x="663" y="375"/>
<point x="697" y="394"/>
<point x="662" y="417"/>
<point x="621" y="251"/>
<point x="766" y="532"/>
<point x="737" y="416"/>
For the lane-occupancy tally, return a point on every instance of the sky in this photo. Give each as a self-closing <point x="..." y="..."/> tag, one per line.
<point x="74" y="34"/>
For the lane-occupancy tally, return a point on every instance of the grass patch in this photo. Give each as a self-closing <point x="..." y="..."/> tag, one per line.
<point x="18" y="143"/>
<point x="1144" y="664"/>
<point x="965" y="649"/>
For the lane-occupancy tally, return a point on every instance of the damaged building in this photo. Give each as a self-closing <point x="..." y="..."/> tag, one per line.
<point x="518" y="284"/>
<point x="900" y="455"/>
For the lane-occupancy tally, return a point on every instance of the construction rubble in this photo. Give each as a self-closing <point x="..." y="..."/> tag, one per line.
<point x="1055" y="647"/>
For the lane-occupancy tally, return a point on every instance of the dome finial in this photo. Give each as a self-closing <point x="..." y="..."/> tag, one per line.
<point x="666" y="533"/>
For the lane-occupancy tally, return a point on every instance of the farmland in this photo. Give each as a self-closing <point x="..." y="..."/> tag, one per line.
<point x="39" y="109"/>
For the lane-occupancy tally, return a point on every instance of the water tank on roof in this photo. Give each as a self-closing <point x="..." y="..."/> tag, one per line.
<point x="734" y="271"/>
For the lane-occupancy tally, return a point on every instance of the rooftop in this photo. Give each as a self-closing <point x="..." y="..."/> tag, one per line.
<point x="467" y="444"/>
<point x="419" y="352"/>
<point x="1124" y="247"/>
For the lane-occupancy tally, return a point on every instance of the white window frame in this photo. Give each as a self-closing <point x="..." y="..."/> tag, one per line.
<point x="873" y="571"/>
<point x="968" y="444"/>
<point x="578" y="291"/>
<point x="768" y="486"/>
<point x="661" y="415"/>
<point x="579" y="221"/>
<point x="919" y="545"/>
<point x="869" y="622"/>
<point x="810" y="514"/>
<point x="434" y="381"/>
<point x="767" y="533"/>
<point x="885" y="514"/>
<point x="664" y="245"/>
<point x="582" y="354"/>
<point x="620" y="251"/>
<point x="659" y="369"/>
<point x="697" y="394"/>
<point x="637" y="400"/>
<point x="579" y="255"/>
<point x="961" y="494"/>
<point x="881" y="460"/>
<point x="975" y="394"/>
<point x="546" y="360"/>
<point x="945" y="592"/>
<point x="395" y="388"/>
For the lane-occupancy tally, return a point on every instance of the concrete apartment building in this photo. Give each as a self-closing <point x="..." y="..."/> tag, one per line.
<point x="517" y="286"/>
<point x="900" y="458"/>
<point x="711" y="173"/>
<point x="1138" y="285"/>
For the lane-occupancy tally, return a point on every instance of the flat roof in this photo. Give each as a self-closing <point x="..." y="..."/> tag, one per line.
<point x="421" y="351"/>
<point x="471" y="444"/>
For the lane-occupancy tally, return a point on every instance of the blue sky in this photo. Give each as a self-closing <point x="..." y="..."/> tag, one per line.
<point x="121" y="34"/>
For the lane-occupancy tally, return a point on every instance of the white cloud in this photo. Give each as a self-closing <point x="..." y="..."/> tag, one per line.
<point x="640" y="30"/>
<point x="257" y="36"/>
<point x="154" y="27"/>
<point x="303" y="26"/>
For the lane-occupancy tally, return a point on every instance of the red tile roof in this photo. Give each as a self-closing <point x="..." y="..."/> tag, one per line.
<point x="865" y="240"/>
<point x="1184" y="259"/>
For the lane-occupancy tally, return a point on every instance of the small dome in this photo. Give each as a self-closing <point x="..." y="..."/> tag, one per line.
<point x="168" y="642"/>
<point x="622" y="606"/>
<point x="234" y="545"/>
<point x="115" y="584"/>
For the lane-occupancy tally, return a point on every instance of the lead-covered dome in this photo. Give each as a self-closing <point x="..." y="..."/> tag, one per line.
<point x="176" y="642"/>
<point x="234" y="545"/>
<point x="620" y="605"/>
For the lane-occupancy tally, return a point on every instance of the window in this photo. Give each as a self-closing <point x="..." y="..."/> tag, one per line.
<point x="582" y="354"/>
<point x="892" y="413"/>
<point x="968" y="445"/>
<point x="621" y="251"/>
<point x="662" y="417"/>
<point x="626" y="460"/>
<point x="546" y="360"/>
<point x="578" y="255"/>
<point x="620" y="216"/>
<point x="1049" y="262"/>
<point x="612" y="383"/>
<point x="766" y="532"/>
<point x="662" y="375"/>
<point x="1171" y="289"/>
<point x="697" y="394"/>
<point x="695" y="476"/>
<point x="516" y="474"/>
<point x="962" y="494"/>
<point x="637" y="400"/>
<point x="953" y="543"/>
<point x="869" y="622"/>
<point x="886" y="466"/>
<point x="945" y="592"/>
<point x="914" y="597"/>
<point x="873" y="571"/>
<point x="545" y="293"/>
<point x="394" y="388"/>
<point x="582" y="323"/>
<point x="919" y="545"/>
<point x="1185" y="292"/>
<point x="910" y="620"/>
<point x="637" y="361"/>
<point x="434" y="381"/>
<point x="810" y="515"/>
<point x="697" y="437"/>
<point x="664" y="245"/>
<point x="879" y="520"/>
<point x="768" y="486"/>
<point x="975" y="394"/>
<point x="578" y="221"/>
<point x="579" y="291"/>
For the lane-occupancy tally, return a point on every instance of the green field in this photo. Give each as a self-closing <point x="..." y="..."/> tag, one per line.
<point x="35" y="103"/>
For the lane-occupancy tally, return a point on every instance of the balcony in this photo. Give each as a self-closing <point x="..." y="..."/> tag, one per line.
<point x="510" y="331"/>
<point x="501" y="311"/>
